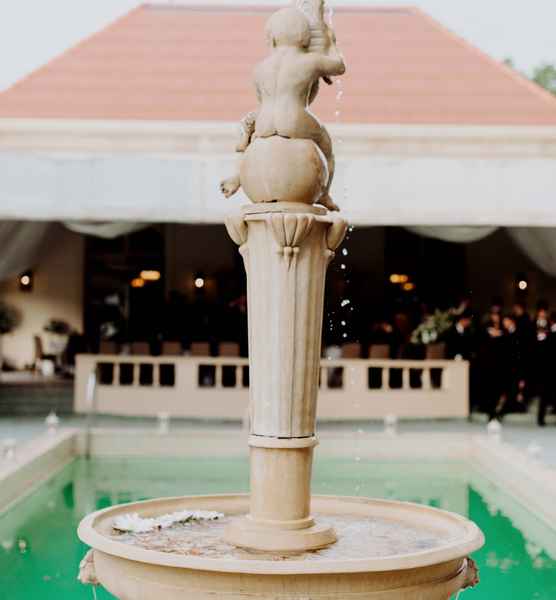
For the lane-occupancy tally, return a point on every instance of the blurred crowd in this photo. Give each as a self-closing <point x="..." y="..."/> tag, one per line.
<point x="511" y="353"/>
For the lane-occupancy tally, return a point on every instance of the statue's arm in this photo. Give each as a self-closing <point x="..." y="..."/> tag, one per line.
<point x="331" y="64"/>
<point x="330" y="61"/>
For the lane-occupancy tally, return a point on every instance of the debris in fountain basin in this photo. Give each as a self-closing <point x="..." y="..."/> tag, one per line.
<point x="133" y="523"/>
<point x="374" y="538"/>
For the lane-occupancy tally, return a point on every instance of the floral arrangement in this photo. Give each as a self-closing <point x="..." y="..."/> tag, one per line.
<point x="9" y="318"/>
<point x="133" y="523"/>
<point x="58" y="327"/>
<point x="432" y="328"/>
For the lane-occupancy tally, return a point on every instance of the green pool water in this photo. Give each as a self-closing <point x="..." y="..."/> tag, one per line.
<point x="40" y="553"/>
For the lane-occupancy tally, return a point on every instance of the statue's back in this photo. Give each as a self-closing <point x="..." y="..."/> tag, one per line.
<point x="284" y="81"/>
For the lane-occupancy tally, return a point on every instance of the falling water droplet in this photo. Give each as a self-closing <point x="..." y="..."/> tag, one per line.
<point x="344" y="335"/>
<point x="344" y="302"/>
<point x="339" y="95"/>
<point x="345" y="251"/>
<point x="357" y="459"/>
<point x="343" y="323"/>
<point x="94" y="588"/>
<point x="342" y="266"/>
<point x="350" y="228"/>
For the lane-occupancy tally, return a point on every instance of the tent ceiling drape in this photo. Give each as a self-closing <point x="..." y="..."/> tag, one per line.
<point x="538" y="243"/>
<point x="462" y="235"/>
<point x="108" y="231"/>
<point x="23" y="242"/>
<point x="21" y="245"/>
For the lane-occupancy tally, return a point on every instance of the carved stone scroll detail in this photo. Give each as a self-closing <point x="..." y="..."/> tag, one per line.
<point x="87" y="574"/>
<point x="472" y="575"/>
<point x="237" y="229"/>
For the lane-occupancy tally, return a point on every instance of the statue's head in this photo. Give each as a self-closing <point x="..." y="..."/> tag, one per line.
<point x="288" y="27"/>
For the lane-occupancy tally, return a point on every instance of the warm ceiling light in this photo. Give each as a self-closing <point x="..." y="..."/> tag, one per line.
<point x="408" y="287"/>
<point x="394" y="278"/>
<point x="137" y="282"/>
<point x="403" y="278"/>
<point x="150" y="275"/>
<point x="199" y="282"/>
<point x="26" y="281"/>
<point x="522" y="285"/>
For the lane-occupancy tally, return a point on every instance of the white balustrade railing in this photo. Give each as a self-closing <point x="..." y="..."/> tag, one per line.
<point x="208" y="387"/>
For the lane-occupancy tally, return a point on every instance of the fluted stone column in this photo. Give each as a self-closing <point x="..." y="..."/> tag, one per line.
<point x="286" y="248"/>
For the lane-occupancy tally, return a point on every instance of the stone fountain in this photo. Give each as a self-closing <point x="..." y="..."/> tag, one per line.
<point x="279" y="542"/>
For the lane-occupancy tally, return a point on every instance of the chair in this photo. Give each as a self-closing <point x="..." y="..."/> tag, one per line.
<point x="352" y="350"/>
<point x="379" y="351"/>
<point x="200" y="349"/>
<point x="108" y="347"/>
<point x="39" y="353"/>
<point x="171" y="348"/>
<point x="140" y="349"/>
<point x="436" y="351"/>
<point x="228" y="349"/>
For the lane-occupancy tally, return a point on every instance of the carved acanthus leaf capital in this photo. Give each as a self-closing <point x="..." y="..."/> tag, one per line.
<point x="289" y="231"/>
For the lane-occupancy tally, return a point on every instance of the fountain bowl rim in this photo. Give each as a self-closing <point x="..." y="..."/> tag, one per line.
<point x="470" y="539"/>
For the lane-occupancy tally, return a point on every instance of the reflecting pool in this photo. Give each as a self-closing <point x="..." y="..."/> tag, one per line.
<point x="40" y="552"/>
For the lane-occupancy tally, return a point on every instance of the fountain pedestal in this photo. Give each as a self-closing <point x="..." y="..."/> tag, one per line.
<point x="286" y="248"/>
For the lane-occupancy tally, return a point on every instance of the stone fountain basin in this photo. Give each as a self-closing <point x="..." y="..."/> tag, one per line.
<point x="132" y="573"/>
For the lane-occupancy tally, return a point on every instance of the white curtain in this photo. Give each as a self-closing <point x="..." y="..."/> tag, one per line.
<point x="21" y="244"/>
<point x="539" y="244"/>
<point x="462" y="235"/>
<point x="105" y="230"/>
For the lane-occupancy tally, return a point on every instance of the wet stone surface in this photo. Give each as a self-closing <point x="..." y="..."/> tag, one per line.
<point x="357" y="538"/>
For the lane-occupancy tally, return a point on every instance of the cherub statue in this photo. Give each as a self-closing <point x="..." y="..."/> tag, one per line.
<point x="287" y="82"/>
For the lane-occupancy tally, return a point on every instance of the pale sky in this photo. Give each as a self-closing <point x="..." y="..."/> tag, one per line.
<point x="34" y="31"/>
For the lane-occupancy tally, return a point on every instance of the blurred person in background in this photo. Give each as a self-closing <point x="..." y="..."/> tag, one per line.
<point x="523" y="323"/>
<point x="543" y="361"/>
<point x="491" y="367"/>
<point x="460" y="338"/>
<point x="514" y="378"/>
<point x="461" y="344"/>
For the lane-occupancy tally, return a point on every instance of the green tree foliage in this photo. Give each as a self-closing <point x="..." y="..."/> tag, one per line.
<point x="545" y="76"/>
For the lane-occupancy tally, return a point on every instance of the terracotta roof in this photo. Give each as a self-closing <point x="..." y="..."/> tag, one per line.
<point x="195" y="64"/>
